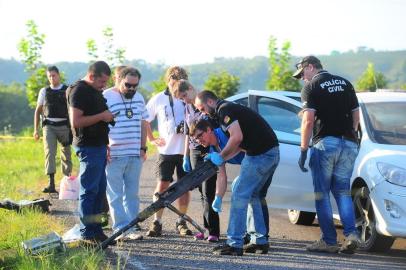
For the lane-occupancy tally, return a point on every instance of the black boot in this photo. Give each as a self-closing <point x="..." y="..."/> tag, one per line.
<point x="51" y="187"/>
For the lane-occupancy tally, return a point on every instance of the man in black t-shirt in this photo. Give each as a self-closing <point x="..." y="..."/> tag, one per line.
<point x="248" y="131"/>
<point x="89" y="118"/>
<point x="331" y="111"/>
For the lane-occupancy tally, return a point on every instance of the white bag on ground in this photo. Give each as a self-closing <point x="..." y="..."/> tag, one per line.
<point x="69" y="188"/>
<point x="72" y="235"/>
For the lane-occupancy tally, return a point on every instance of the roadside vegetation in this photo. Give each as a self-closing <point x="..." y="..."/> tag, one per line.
<point x="22" y="178"/>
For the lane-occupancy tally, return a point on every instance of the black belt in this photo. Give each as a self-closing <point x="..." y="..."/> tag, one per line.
<point x="347" y="138"/>
<point x="55" y="123"/>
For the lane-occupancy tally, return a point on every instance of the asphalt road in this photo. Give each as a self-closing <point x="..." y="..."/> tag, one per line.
<point x="287" y="243"/>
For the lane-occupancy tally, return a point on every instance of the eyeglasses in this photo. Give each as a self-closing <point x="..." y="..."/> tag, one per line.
<point x="130" y="85"/>
<point x="199" y="135"/>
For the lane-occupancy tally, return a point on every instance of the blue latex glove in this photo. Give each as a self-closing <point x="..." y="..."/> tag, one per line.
<point x="302" y="160"/>
<point x="215" y="158"/>
<point x="216" y="205"/>
<point x="186" y="164"/>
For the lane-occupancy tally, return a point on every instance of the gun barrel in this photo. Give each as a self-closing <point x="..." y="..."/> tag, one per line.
<point x="183" y="185"/>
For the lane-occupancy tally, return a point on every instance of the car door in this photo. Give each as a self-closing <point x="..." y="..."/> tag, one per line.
<point x="291" y="188"/>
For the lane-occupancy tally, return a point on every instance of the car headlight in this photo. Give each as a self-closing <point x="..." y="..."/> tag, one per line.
<point x="392" y="174"/>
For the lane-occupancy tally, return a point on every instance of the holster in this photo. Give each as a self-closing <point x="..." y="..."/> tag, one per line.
<point x="54" y="123"/>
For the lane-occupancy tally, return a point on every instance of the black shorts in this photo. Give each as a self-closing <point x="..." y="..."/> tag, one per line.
<point x="166" y="165"/>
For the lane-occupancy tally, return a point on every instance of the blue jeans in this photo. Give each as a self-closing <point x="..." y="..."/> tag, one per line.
<point x="332" y="162"/>
<point x="264" y="204"/>
<point x="92" y="177"/>
<point x="246" y="213"/>
<point x="123" y="175"/>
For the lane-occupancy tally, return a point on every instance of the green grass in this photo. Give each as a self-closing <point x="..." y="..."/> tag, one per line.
<point x="22" y="169"/>
<point x="22" y="177"/>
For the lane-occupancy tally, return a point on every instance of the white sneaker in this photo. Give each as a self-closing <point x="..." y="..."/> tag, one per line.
<point x="120" y="237"/>
<point x="134" y="236"/>
<point x="130" y="235"/>
<point x="123" y="236"/>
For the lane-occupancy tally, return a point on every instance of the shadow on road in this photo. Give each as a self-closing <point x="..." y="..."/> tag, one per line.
<point x="174" y="252"/>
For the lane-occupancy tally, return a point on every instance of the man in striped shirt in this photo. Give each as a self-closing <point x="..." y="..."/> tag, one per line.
<point x="127" y="149"/>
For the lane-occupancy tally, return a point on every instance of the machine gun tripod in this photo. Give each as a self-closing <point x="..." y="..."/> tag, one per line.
<point x="183" y="185"/>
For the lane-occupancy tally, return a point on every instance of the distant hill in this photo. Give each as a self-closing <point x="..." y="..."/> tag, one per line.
<point x="352" y="64"/>
<point x="253" y="72"/>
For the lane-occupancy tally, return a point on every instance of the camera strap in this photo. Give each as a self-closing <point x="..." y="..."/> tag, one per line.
<point x="166" y="92"/>
<point x="171" y="104"/>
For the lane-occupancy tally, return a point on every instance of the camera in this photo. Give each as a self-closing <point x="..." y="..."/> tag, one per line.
<point x="180" y="128"/>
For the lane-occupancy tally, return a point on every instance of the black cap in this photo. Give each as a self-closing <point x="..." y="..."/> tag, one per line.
<point x="303" y="63"/>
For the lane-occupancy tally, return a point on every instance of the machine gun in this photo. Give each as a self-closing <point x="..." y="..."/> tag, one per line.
<point x="183" y="185"/>
<point x="39" y="204"/>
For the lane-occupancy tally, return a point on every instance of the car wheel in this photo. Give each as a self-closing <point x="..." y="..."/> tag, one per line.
<point x="301" y="217"/>
<point x="365" y="223"/>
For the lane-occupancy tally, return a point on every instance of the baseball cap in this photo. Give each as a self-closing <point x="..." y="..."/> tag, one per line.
<point x="303" y="63"/>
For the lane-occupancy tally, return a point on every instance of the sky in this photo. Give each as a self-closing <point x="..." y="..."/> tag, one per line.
<point x="184" y="32"/>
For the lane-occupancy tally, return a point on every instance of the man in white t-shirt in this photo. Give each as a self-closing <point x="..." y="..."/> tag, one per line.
<point x="169" y="112"/>
<point x="51" y="105"/>
<point x="127" y="149"/>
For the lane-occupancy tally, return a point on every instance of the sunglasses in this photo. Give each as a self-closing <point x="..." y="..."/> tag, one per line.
<point x="301" y="65"/>
<point x="130" y="85"/>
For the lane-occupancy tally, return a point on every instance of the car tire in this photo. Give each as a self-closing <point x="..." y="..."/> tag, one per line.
<point x="301" y="217"/>
<point x="365" y="223"/>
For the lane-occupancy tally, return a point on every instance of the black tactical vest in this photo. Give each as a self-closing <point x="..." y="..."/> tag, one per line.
<point x="55" y="103"/>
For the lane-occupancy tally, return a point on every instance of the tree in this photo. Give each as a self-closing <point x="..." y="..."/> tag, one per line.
<point x="280" y="74"/>
<point x="114" y="56"/>
<point x="30" y="50"/>
<point x="145" y="93"/>
<point x="14" y="110"/>
<point x="37" y="80"/>
<point x="223" y="84"/>
<point x="158" y="85"/>
<point x="371" y="80"/>
<point x="92" y="50"/>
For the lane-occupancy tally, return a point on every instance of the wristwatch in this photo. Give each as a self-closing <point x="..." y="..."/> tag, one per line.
<point x="145" y="149"/>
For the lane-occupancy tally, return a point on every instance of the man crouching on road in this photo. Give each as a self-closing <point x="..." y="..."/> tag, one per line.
<point x="248" y="131"/>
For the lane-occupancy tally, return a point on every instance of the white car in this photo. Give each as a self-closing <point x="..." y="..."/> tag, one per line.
<point x="378" y="182"/>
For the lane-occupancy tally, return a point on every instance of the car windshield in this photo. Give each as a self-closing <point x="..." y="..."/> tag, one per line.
<point x="386" y="122"/>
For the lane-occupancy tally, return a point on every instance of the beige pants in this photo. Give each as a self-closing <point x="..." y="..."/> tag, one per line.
<point x="52" y="135"/>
